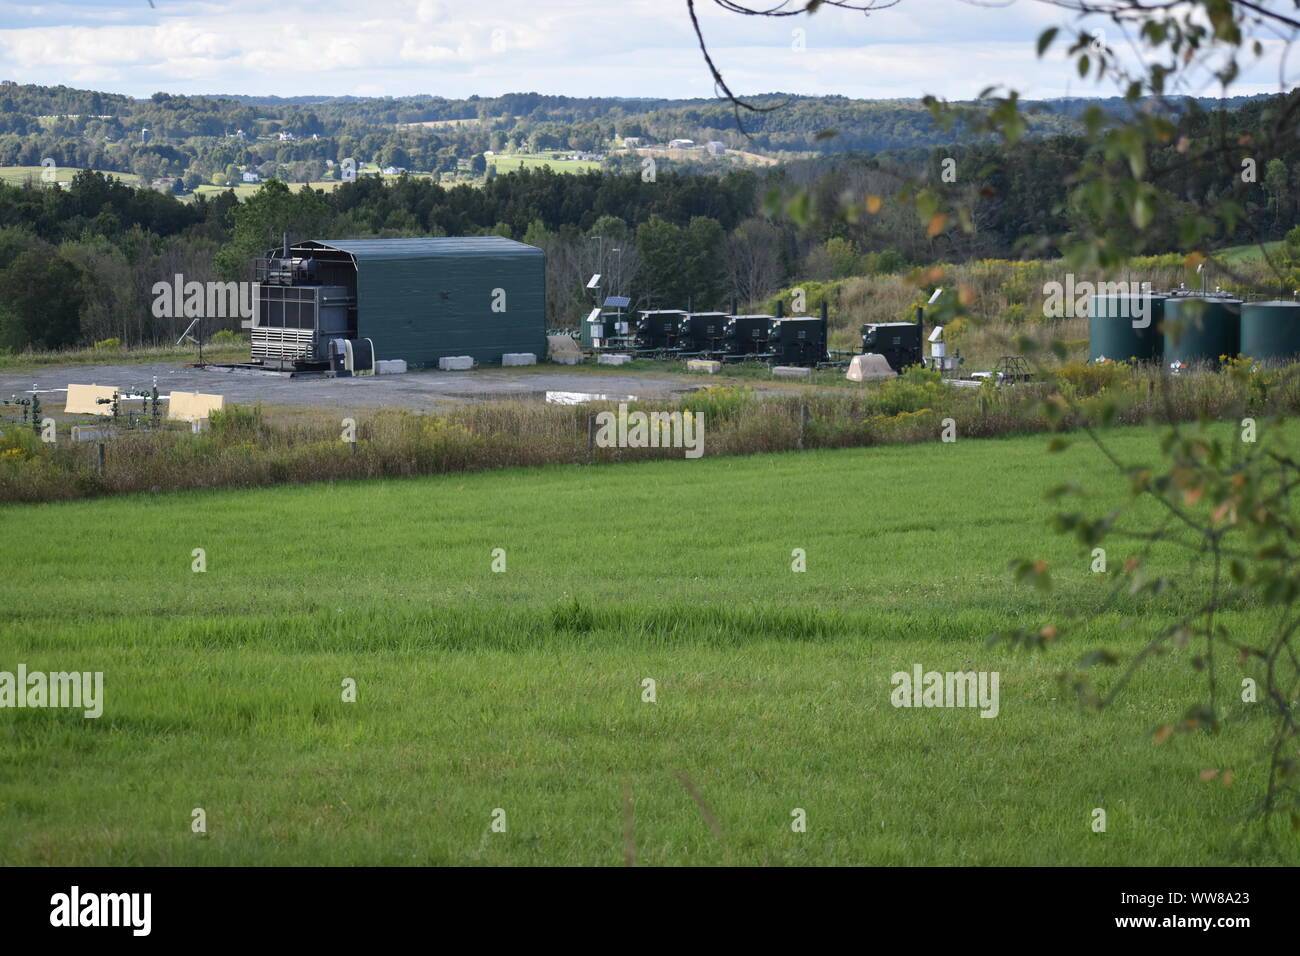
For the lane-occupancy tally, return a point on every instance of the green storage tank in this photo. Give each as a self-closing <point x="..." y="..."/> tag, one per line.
<point x="1126" y="328"/>
<point x="1270" y="331"/>
<point x="1205" y="327"/>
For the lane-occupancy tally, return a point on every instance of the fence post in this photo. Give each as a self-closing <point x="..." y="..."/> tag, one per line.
<point x="101" y="458"/>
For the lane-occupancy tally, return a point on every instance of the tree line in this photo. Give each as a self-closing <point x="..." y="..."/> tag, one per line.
<point x="77" y="263"/>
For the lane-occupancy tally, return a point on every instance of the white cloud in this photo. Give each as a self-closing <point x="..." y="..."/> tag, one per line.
<point x="575" y="47"/>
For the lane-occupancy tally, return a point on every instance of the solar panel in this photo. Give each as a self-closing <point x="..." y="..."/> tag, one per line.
<point x="617" y="301"/>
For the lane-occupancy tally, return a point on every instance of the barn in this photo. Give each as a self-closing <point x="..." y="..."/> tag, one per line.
<point x="414" y="299"/>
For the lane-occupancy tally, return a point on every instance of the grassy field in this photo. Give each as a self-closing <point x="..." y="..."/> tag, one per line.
<point x="522" y="690"/>
<point x="1247" y="255"/>
<point x="245" y="190"/>
<point x="140" y="354"/>
<point x="508" y="164"/>
<point x="17" y="175"/>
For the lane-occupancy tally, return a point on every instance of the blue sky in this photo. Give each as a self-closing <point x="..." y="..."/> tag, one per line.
<point x="577" y="47"/>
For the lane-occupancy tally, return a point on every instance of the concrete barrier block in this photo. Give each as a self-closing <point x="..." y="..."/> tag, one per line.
<point x="791" y="371"/>
<point x="702" y="365"/>
<point x="613" y="359"/>
<point x="390" y="367"/>
<point x="456" y="363"/>
<point x="82" y="433"/>
<point x="519" y="358"/>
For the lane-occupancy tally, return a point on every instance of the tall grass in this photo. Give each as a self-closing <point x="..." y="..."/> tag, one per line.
<point x="523" y="689"/>
<point x="108" y="355"/>
<point x="245" y="448"/>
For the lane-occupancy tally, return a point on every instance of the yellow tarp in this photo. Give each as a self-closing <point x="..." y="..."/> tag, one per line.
<point x="84" y="400"/>
<point x="193" y="406"/>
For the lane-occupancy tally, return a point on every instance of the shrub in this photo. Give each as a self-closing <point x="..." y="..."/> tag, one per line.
<point x="718" y="403"/>
<point x="1082" y="379"/>
<point x="916" y="389"/>
<point x="19" y="443"/>
<point x="885" y="262"/>
<point x="236" y="423"/>
<point x="109" y="345"/>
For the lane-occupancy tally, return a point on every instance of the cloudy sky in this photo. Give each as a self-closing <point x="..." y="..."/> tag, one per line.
<point x="456" y="48"/>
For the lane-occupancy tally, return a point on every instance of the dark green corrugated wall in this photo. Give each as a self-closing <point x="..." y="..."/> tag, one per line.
<point x="421" y="309"/>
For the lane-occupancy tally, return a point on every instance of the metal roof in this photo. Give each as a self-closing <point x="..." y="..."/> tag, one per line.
<point x="427" y="247"/>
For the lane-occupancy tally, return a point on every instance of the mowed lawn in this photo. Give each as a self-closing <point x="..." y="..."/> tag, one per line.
<point x="521" y="691"/>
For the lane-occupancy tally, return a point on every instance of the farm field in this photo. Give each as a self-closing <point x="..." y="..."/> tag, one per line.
<point x="18" y="175"/>
<point x="699" y="155"/>
<point x="245" y="190"/>
<point x="522" y="690"/>
<point x="509" y="163"/>
<point x="1248" y="254"/>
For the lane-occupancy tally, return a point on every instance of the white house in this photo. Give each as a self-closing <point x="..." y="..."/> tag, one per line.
<point x="251" y="176"/>
<point x="715" y="148"/>
<point x="681" y="144"/>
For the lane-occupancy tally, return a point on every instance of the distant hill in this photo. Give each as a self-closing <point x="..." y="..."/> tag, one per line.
<point x="800" y="127"/>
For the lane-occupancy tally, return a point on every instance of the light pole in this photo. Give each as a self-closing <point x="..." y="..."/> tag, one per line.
<point x="600" y="252"/>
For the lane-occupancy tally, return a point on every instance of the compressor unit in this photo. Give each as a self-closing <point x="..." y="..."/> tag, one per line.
<point x="798" y="340"/>
<point x="702" y="332"/>
<point x="658" y="330"/>
<point x="297" y="316"/>
<point x="746" y="336"/>
<point x="899" y="343"/>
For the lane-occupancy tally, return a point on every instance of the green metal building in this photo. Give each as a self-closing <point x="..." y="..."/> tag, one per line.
<point x="425" y="298"/>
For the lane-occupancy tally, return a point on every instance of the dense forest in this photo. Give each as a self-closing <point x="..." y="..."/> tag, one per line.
<point x="197" y="140"/>
<point x="77" y="263"/>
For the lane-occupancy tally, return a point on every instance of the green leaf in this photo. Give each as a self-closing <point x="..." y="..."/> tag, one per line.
<point x="1045" y="39"/>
